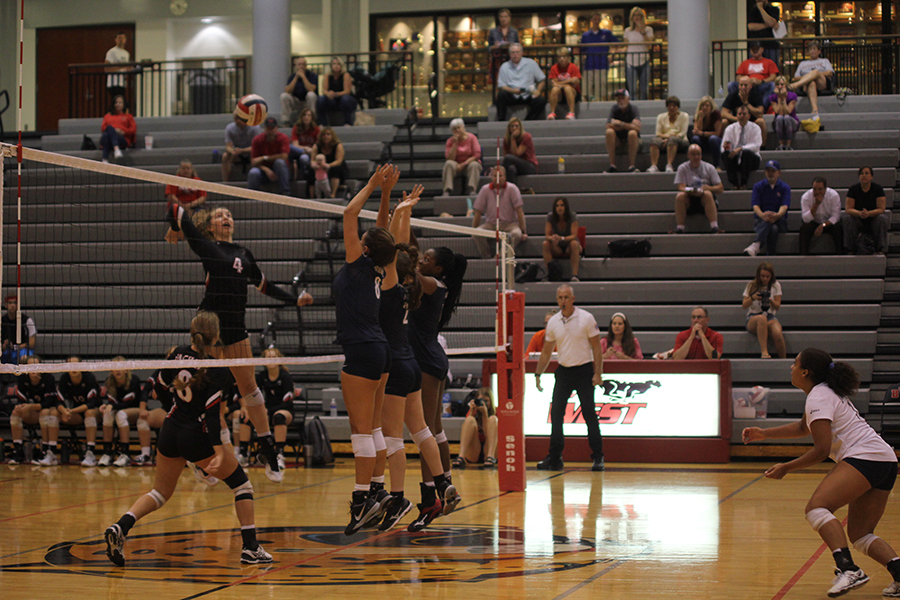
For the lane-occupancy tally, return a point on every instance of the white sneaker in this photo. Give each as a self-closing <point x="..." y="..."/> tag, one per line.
<point x="49" y="460"/>
<point x="105" y="461"/>
<point x="653" y="169"/>
<point x="255" y="557"/>
<point x="202" y="476"/>
<point x="89" y="459"/>
<point x="123" y="460"/>
<point x="752" y="249"/>
<point x="117" y="153"/>
<point x="844" y="581"/>
<point x="243" y="460"/>
<point x="670" y="169"/>
<point x="892" y="591"/>
<point x="281" y="461"/>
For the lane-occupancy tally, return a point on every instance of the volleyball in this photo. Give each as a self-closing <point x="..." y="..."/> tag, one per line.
<point x="252" y="109"/>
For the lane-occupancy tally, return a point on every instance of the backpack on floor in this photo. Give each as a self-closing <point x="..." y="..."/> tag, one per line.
<point x="630" y="248"/>
<point x="865" y="245"/>
<point x="87" y="143"/>
<point x="527" y="272"/>
<point x="554" y="271"/>
<point x="318" y="444"/>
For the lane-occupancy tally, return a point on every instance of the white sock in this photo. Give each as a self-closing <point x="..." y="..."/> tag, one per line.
<point x="145" y="450"/>
<point x="713" y="224"/>
<point x="679" y="227"/>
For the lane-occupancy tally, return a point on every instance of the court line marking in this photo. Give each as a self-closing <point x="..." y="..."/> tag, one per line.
<point x="803" y="569"/>
<point x="11" y="479"/>
<point x="44" y="512"/>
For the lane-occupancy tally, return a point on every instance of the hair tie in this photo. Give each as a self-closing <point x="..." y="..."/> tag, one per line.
<point x="830" y="366"/>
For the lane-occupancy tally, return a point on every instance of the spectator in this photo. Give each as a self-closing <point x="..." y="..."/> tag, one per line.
<point x="698" y="183"/>
<point x="512" y="216"/>
<point x="504" y="34"/>
<point x="865" y="215"/>
<point x="747" y="96"/>
<point x="783" y="104"/>
<point x="699" y="341"/>
<point x="121" y="407"/>
<point x="637" y="60"/>
<point x="338" y="95"/>
<point x="77" y="397"/>
<point x="813" y="76"/>
<point x="596" y="61"/>
<point x="329" y="145"/>
<point x="620" y="343"/>
<point x="708" y="128"/>
<point x="771" y="200"/>
<point x="323" y="186"/>
<point x="740" y="148"/>
<point x="671" y="134"/>
<point x="761" y="18"/>
<point x="463" y="154"/>
<point x="36" y="404"/>
<point x="268" y="158"/>
<point x="478" y="435"/>
<point x="761" y="71"/>
<point x="183" y="195"/>
<point x="518" y="149"/>
<point x="561" y="236"/>
<point x="303" y="137"/>
<point x="115" y="84"/>
<point x="536" y="344"/>
<point x="821" y="212"/>
<point x="565" y="81"/>
<point x="762" y="299"/>
<point x="117" y="130"/>
<point x="520" y="81"/>
<point x="238" y="145"/>
<point x="623" y="131"/>
<point x="8" y="328"/>
<point x="300" y="92"/>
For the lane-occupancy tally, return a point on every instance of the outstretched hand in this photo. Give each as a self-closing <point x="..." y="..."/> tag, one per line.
<point x="304" y="299"/>
<point x="380" y="174"/>
<point x="173" y="236"/>
<point x="391" y="179"/>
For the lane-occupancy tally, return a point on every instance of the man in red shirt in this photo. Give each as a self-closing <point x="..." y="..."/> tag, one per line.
<point x="698" y="342"/>
<point x="761" y="71"/>
<point x="565" y="80"/>
<point x="268" y="158"/>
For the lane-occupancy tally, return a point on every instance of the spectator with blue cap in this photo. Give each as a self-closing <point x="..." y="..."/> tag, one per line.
<point x="770" y="200"/>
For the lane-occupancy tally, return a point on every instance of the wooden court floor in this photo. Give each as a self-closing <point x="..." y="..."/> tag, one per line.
<point x="633" y="532"/>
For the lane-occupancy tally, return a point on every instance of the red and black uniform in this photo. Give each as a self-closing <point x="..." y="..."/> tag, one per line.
<point x="85" y="393"/>
<point x="154" y="388"/>
<point x="127" y="396"/>
<point x="43" y="392"/>
<point x="279" y="394"/>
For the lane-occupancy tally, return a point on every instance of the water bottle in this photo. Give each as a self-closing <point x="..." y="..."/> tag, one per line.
<point x="216" y="158"/>
<point x="721" y="92"/>
<point x="333" y="407"/>
<point x="446" y="401"/>
<point x="562" y="166"/>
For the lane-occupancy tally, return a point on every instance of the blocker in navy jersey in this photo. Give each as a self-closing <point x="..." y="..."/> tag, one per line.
<point x="87" y="392"/>
<point x="357" y="298"/>
<point x="423" y="332"/>
<point x="405" y="376"/>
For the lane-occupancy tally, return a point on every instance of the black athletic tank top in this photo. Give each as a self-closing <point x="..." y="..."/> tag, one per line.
<point x="394" y="316"/>
<point x="357" y="299"/>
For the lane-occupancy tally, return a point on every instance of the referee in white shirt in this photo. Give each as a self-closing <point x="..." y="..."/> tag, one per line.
<point x="576" y="337"/>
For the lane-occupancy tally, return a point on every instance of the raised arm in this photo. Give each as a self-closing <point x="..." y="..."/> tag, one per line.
<point x="404" y="208"/>
<point x="384" y="209"/>
<point x="352" y="242"/>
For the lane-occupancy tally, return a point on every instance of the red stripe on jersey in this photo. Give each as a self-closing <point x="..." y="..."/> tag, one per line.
<point x="214" y="399"/>
<point x="262" y="285"/>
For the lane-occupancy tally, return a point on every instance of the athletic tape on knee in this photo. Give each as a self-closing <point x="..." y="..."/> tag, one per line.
<point x="122" y="418"/>
<point x="441" y="438"/>
<point x="157" y="497"/>
<point x="863" y="543"/>
<point x="394" y="445"/>
<point x="108" y="420"/>
<point x="143" y="425"/>
<point x="43" y="419"/>
<point x="818" y="517"/>
<point x="53" y="422"/>
<point x="254" y="398"/>
<point x="363" y="445"/>
<point x="15" y="421"/>
<point x="421" y="436"/>
<point x="378" y="440"/>
<point x="90" y="422"/>
<point x="279" y="419"/>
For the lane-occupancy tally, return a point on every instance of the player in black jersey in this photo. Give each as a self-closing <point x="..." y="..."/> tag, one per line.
<point x="277" y="387"/>
<point x="229" y="268"/>
<point x="191" y="432"/>
<point x="78" y="397"/>
<point x="36" y="397"/>
<point x="121" y="408"/>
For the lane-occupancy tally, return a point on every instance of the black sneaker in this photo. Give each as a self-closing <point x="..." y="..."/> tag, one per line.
<point x="427" y="514"/>
<point x="612" y="169"/>
<point x="450" y="498"/>
<point x="384" y="501"/>
<point x="360" y="514"/>
<point x="115" y="542"/>
<point x="395" y="511"/>
<point x="255" y="557"/>
<point x="18" y="458"/>
<point x="550" y="464"/>
<point x="598" y="465"/>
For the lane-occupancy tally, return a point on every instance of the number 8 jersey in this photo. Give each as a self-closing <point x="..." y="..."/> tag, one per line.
<point x="199" y="401"/>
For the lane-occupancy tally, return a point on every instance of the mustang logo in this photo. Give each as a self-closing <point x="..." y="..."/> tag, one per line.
<point x="622" y="390"/>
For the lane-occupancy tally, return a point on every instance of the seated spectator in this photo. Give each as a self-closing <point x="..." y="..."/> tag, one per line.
<point x="561" y="236"/>
<point x="596" y="60"/>
<point x="512" y="215"/>
<point x="323" y="186"/>
<point x="740" y="149"/>
<point x="268" y="158"/>
<point x="121" y="408"/>
<point x="745" y="96"/>
<point x="771" y="200"/>
<point x="35" y="405"/>
<point x="478" y="436"/>
<point x="821" y="213"/>
<point x="698" y="183"/>
<point x="671" y="134"/>
<point x="707" y="132"/>
<point x="76" y="405"/>
<point x="117" y="130"/>
<point x="565" y="83"/>
<point x="623" y="131"/>
<point x="865" y="216"/>
<point x="338" y="95"/>
<point x="463" y="154"/>
<point x="185" y="196"/>
<point x="783" y="104"/>
<point x="303" y="137"/>
<point x="238" y="145"/>
<point x="518" y="150"/>
<point x="12" y="355"/>
<point x="536" y="344"/>
<point x="300" y="92"/>
<point x="698" y="342"/>
<point x="520" y="81"/>
<point x="329" y="145"/>
<point x="761" y="71"/>
<point x="813" y="76"/>
<point x="620" y="343"/>
<point x="277" y="387"/>
<point x="762" y="299"/>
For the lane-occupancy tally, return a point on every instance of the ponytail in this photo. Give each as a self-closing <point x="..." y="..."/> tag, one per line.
<point x="407" y="259"/>
<point x="839" y="376"/>
<point x="453" y="271"/>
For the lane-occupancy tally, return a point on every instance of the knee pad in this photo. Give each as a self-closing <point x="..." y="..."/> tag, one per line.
<point x="90" y="422"/>
<point x="394" y="445"/>
<point x="53" y="422"/>
<point x="441" y="438"/>
<point x="378" y="440"/>
<point x="863" y="543"/>
<point x="143" y="425"/>
<point x="108" y="420"/>
<point x="243" y="492"/>
<point x="225" y="436"/>
<point x="421" y="436"/>
<point x="818" y="517"/>
<point x="157" y="497"/>
<point x="42" y="420"/>
<point x="279" y="419"/>
<point x="240" y="484"/>
<point x="363" y="445"/>
<point x="254" y="398"/>
<point x="122" y="418"/>
<point x="15" y="421"/>
<point x="236" y="419"/>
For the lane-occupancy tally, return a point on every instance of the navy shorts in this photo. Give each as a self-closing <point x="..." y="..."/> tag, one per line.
<point x="881" y="475"/>
<point x="405" y="378"/>
<point x="177" y="439"/>
<point x="369" y="360"/>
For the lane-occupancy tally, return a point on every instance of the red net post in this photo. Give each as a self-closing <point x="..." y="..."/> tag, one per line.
<point x="510" y="393"/>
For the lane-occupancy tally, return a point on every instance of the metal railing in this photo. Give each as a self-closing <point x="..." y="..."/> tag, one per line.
<point x="382" y="79"/>
<point x="866" y="65"/>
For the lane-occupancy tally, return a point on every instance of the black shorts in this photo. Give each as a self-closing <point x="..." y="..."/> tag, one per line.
<point x="881" y="475"/>
<point x="696" y="205"/>
<point x="178" y="439"/>
<point x="232" y="328"/>
<point x="369" y="360"/>
<point x="285" y="406"/>
<point x="405" y="378"/>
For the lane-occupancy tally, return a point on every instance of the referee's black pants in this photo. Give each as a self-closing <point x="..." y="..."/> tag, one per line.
<point x="580" y="380"/>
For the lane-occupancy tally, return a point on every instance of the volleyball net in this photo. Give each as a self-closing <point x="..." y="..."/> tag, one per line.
<point x="84" y="254"/>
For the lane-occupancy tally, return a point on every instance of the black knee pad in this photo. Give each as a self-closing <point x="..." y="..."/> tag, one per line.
<point x="237" y="478"/>
<point x="279" y="419"/>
